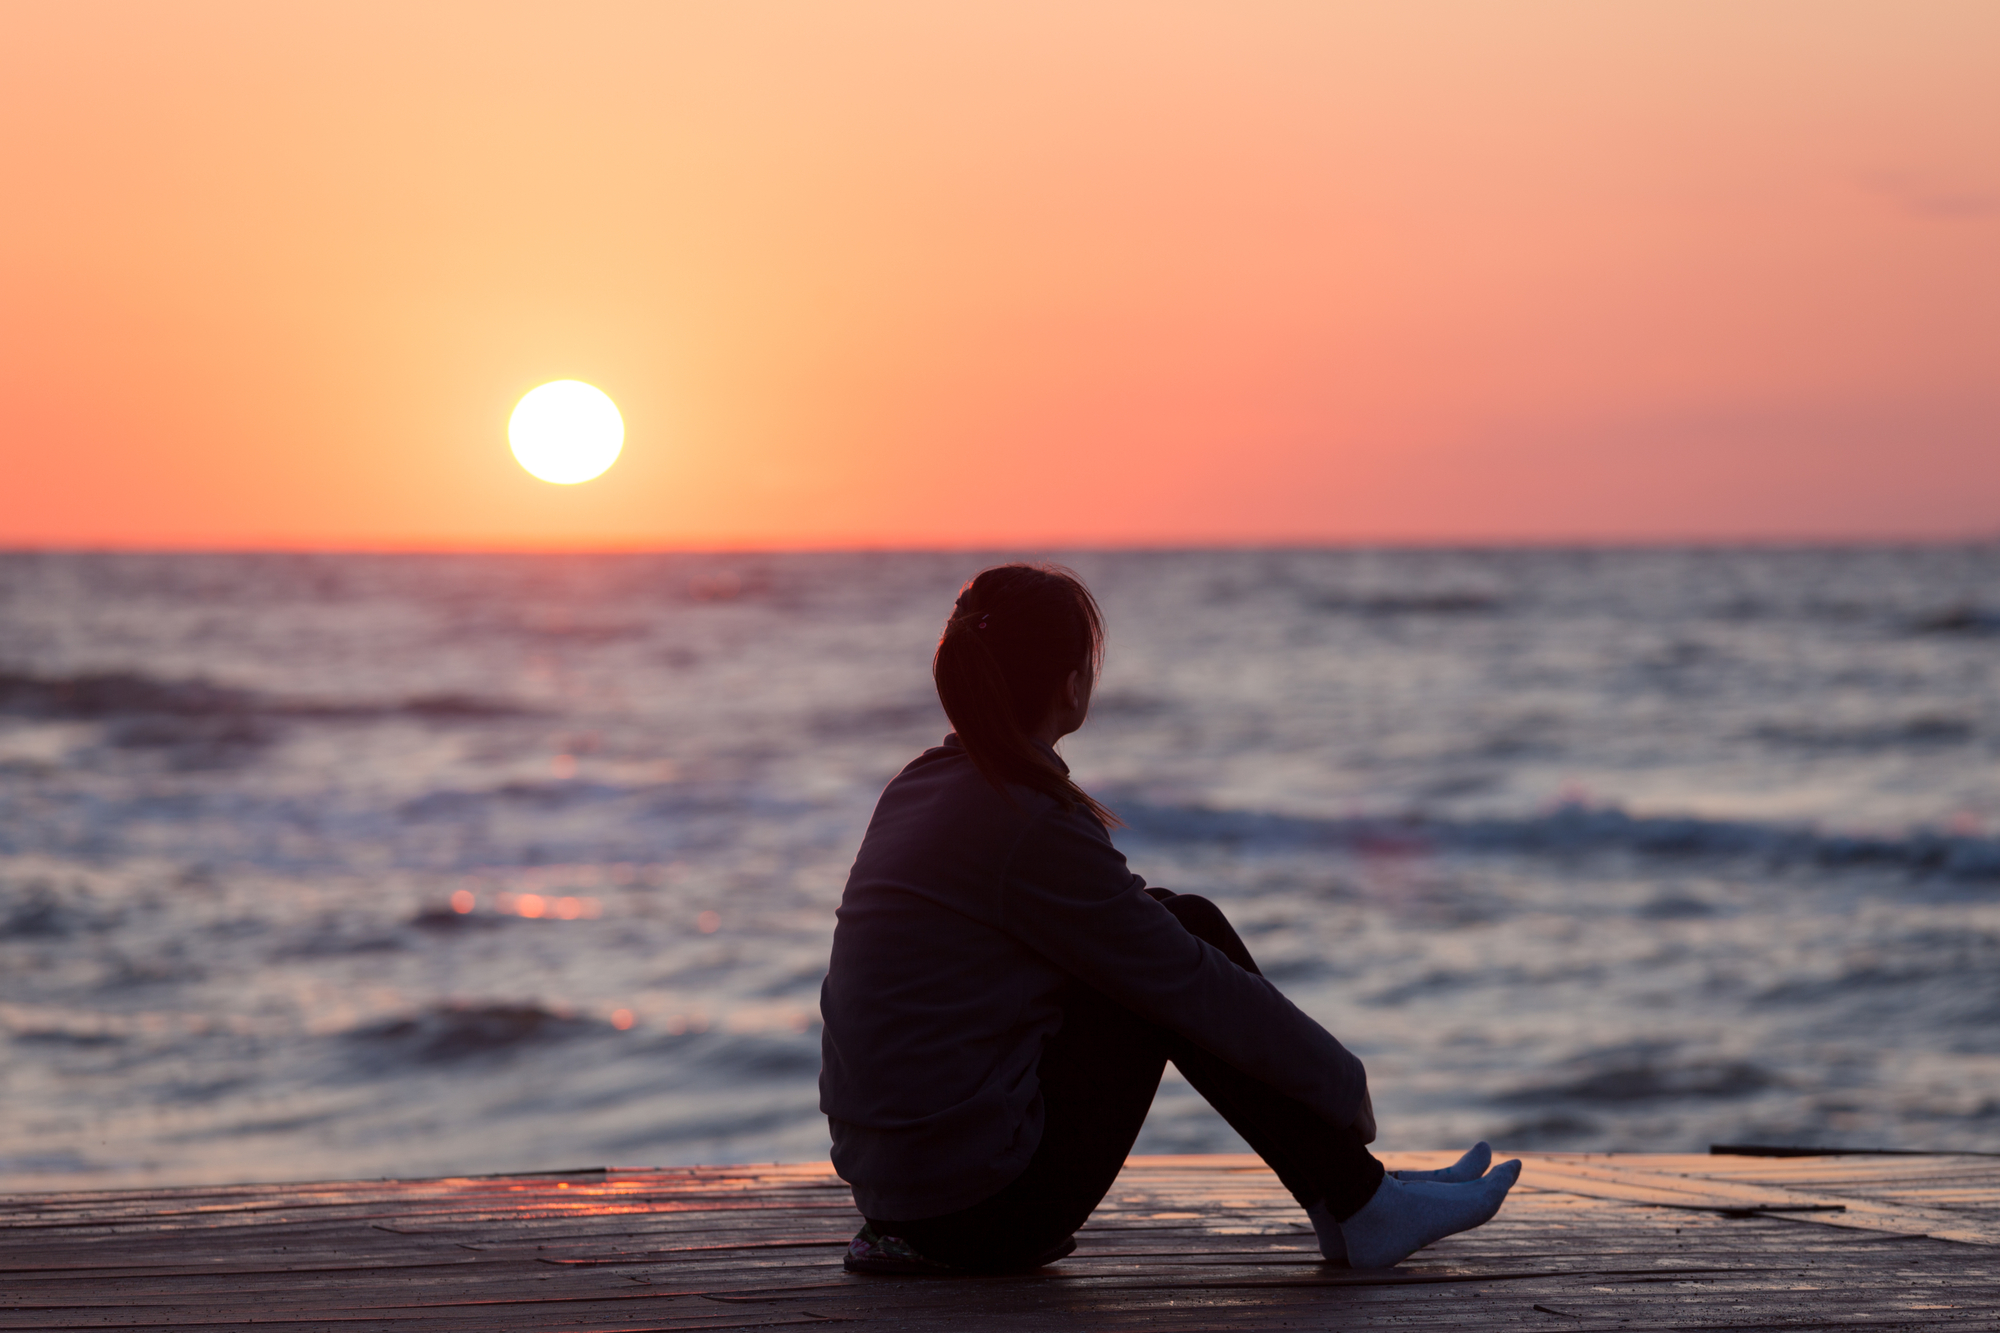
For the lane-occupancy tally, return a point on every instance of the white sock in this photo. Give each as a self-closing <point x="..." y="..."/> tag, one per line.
<point x="1469" y="1167"/>
<point x="1406" y="1215"/>
<point x="1333" y="1245"/>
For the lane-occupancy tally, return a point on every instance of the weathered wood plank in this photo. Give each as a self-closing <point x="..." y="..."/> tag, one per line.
<point x="1810" y="1189"/>
<point x="1181" y="1242"/>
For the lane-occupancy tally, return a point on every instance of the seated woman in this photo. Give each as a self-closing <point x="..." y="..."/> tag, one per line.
<point x="1004" y="993"/>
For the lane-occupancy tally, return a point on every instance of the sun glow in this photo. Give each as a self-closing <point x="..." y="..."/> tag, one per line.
<point x="566" y="432"/>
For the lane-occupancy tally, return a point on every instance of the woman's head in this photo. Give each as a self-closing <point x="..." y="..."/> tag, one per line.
<point x="1016" y="636"/>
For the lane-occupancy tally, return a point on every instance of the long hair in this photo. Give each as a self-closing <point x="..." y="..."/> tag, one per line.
<point x="1015" y="634"/>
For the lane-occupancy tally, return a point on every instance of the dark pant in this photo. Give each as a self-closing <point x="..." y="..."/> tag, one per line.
<point x="1098" y="1076"/>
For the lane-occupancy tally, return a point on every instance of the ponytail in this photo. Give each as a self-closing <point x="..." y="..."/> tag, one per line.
<point x="1015" y="634"/>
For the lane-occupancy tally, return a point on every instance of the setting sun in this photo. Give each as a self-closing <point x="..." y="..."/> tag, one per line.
<point x="566" y="432"/>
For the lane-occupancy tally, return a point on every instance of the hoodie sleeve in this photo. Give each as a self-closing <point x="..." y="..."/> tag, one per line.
<point x="1068" y="895"/>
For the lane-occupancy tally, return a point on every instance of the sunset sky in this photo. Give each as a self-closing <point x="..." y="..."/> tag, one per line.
<point x="1001" y="274"/>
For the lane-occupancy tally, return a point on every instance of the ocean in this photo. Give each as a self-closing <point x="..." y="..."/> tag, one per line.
<point x="330" y="866"/>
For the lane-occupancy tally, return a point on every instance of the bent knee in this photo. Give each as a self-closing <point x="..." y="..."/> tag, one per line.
<point x="1198" y="914"/>
<point x="1205" y="921"/>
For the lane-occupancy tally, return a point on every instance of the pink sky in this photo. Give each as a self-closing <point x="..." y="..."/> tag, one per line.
<point x="918" y="274"/>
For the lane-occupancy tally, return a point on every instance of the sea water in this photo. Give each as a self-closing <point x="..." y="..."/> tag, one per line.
<point x="353" y="865"/>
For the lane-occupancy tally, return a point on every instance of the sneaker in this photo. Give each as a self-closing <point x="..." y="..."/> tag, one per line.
<point x="891" y="1256"/>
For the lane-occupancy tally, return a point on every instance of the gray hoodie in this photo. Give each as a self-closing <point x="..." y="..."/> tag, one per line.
<point x="964" y="918"/>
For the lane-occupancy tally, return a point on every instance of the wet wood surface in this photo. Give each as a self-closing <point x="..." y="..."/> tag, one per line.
<point x="1587" y="1241"/>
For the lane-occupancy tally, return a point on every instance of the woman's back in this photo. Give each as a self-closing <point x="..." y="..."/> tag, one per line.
<point x="935" y="1013"/>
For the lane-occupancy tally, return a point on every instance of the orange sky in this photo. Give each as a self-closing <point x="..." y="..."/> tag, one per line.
<point x="1001" y="274"/>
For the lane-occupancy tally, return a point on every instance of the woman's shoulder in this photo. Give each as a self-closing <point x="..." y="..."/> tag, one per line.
<point x="945" y="772"/>
<point x="940" y="816"/>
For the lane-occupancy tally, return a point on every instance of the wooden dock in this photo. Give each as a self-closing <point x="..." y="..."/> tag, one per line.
<point x="1586" y="1242"/>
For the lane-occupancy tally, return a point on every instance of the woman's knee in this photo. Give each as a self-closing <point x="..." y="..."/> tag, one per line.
<point x="1196" y="913"/>
<point x="1205" y="921"/>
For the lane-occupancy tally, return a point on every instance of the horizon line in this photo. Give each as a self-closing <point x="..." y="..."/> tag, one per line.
<point x="1371" y="543"/>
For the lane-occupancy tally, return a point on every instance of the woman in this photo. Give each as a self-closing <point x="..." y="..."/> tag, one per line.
<point x="1004" y="993"/>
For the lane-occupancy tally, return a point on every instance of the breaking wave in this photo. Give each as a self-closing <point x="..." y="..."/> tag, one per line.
<point x="1571" y="830"/>
<point x="130" y="694"/>
<point x="460" y="1031"/>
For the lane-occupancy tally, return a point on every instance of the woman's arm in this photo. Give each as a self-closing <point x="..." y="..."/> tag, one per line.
<point x="1068" y="895"/>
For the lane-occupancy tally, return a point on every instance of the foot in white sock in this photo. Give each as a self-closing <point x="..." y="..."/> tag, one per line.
<point x="1406" y="1215"/>
<point x="1469" y="1167"/>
